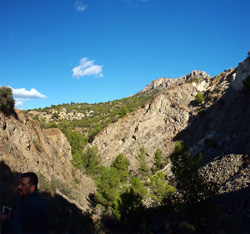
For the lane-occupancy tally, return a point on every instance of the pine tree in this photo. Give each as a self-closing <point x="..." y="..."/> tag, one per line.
<point x="7" y="102"/>
<point x="143" y="166"/>
<point x="158" y="160"/>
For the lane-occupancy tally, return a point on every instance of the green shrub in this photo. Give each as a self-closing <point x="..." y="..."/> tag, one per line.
<point x="180" y="148"/>
<point x="123" y="111"/>
<point x="93" y="132"/>
<point x="51" y="125"/>
<point x="159" y="189"/>
<point x="194" y="79"/>
<point x="7" y="102"/>
<point x="143" y="166"/>
<point x="55" y="115"/>
<point x="108" y="185"/>
<point x="138" y="187"/>
<point x="91" y="160"/>
<point x="121" y="163"/>
<point x="158" y="160"/>
<point x="199" y="98"/>
<point x="126" y="203"/>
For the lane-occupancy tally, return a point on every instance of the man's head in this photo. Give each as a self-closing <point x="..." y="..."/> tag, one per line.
<point x="27" y="184"/>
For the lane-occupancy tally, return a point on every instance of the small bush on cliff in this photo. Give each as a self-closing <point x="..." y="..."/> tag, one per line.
<point x="199" y="98"/>
<point x="7" y="102"/>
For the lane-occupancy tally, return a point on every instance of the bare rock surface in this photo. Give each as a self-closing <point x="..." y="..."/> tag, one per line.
<point x="164" y="83"/>
<point x="153" y="126"/>
<point x="24" y="146"/>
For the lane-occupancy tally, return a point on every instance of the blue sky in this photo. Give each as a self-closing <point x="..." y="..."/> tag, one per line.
<point x="58" y="51"/>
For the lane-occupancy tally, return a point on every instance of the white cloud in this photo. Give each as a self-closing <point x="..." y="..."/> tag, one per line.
<point x="19" y="102"/>
<point x="25" y="94"/>
<point x="87" y="68"/>
<point x="79" y="6"/>
<point x="22" y="95"/>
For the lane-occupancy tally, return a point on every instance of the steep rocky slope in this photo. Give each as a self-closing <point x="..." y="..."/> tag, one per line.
<point x="174" y="113"/>
<point x="153" y="126"/>
<point x="24" y="146"/>
<point x="219" y="128"/>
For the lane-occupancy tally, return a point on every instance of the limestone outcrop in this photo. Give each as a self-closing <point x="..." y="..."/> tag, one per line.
<point x="164" y="83"/>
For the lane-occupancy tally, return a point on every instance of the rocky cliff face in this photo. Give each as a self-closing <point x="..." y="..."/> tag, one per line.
<point x="195" y="74"/>
<point x="164" y="83"/>
<point x="220" y="126"/>
<point x="24" y="146"/>
<point x="153" y="126"/>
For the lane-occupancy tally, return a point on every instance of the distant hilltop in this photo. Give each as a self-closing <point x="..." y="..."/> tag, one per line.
<point x="163" y="83"/>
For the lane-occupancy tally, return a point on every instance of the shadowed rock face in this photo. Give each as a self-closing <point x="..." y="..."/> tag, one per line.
<point x="24" y="146"/>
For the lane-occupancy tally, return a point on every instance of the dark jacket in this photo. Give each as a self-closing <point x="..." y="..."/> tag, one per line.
<point x="29" y="216"/>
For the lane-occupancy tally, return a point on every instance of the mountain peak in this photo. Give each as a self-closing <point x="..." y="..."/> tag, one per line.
<point x="163" y="83"/>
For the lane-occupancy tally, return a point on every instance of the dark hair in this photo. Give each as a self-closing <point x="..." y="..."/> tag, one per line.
<point x="33" y="178"/>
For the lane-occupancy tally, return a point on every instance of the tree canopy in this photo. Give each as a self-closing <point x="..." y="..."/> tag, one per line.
<point x="7" y="102"/>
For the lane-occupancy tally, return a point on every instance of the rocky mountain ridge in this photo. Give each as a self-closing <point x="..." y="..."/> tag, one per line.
<point x="164" y="83"/>
<point x="62" y="113"/>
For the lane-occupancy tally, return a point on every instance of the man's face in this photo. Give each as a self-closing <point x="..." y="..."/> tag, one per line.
<point x="24" y="187"/>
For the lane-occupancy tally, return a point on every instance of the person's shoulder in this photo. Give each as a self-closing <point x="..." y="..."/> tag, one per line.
<point x="34" y="197"/>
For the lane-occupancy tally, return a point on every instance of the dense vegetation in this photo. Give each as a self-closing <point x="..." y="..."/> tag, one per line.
<point x="121" y="197"/>
<point x="94" y="118"/>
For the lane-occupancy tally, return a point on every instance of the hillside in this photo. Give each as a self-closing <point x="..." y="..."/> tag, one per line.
<point x="173" y="114"/>
<point x="216" y="126"/>
<point x="219" y="128"/>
